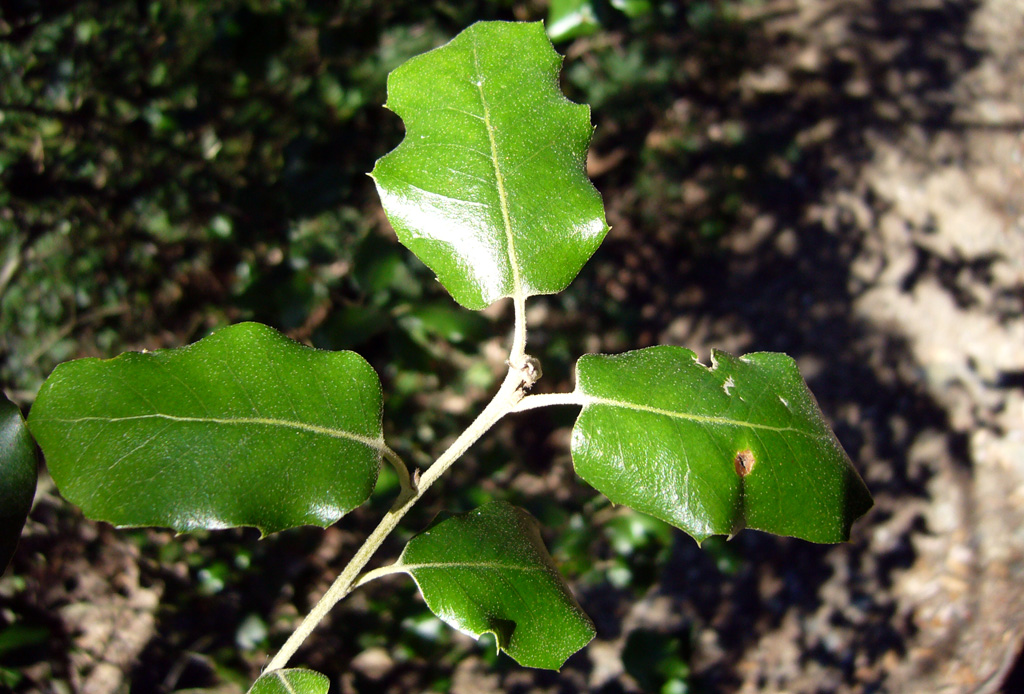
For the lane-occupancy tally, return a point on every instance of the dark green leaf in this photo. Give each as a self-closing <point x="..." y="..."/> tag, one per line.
<point x="714" y="450"/>
<point x="244" y="427"/>
<point x="487" y="571"/>
<point x="292" y="681"/>
<point x="17" y="477"/>
<point x="489" y="186"/>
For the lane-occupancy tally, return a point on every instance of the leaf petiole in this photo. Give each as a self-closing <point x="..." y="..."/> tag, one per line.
<point x="532" y="402"/>
<point x="407" y="483"/>
<point x="379" y="572"/>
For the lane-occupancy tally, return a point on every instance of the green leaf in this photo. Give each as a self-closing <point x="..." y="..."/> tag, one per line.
<point x="570" y="19"/>
<point x="17" y="477"/>
<point x="291" y="681"/>
<point x="244" y="427"/>
<point x="714" y="450"/>
<point x="489" y="187"/>
<point x="487" y="571"/>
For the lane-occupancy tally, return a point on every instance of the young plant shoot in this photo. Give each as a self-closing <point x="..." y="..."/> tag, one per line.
<point x="248" y="428"/>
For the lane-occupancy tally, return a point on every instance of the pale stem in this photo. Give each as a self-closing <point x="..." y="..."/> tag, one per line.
<point x="504" y="401"/>
<point x="517" y="355"/>
<point x="529" y="402"/>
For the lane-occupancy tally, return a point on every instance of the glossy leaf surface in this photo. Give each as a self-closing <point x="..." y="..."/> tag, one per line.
<point x="245" y="427"/>
<point x="488" y="571"/>
<point x="714" y="450"/>
<point x="489" y="187"/>
<point x="291" y="681"/>
<point x="17" y="477"/>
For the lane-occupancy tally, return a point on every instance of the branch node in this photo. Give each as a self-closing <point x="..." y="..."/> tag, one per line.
<point x="529" y="370"/>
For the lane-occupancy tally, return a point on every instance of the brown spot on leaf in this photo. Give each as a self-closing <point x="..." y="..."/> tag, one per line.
<point x="744" y="462"/>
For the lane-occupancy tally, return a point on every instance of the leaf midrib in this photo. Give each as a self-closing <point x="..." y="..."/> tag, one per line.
<point x="513" y="260"/>
<point x="286" y="683"/>
<point x="494" y="566"/>
<point x="376" y="444"/>
<point x="704" y="419"/>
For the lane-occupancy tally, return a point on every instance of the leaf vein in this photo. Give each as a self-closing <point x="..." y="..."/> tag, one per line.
<point x="700" y="418"/>
<point x="138" y="447"/>
<point x="241" y="384"/>
<point x="447" y="197"/>
<point x="455" y="145"/>
<point x="467" y="175"/>
<point x="376" y="444"/>
<point x="493" y="566"/>
<point x="285" y="683"/>
<point x="457" y="110"/>
<point x="513" y="260"/>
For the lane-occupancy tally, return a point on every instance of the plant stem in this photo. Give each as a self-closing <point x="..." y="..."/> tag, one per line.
<point x="503" y="402"/>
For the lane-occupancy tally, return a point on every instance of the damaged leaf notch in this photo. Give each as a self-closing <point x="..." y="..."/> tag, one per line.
<point x="742" y="444"/>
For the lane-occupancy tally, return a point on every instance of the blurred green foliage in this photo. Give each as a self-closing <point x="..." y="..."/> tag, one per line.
<point x="171" y="167"/>
<point x="570" y="19"/>
<point x="658" y="662"/>
<point x="174" y="166"/>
